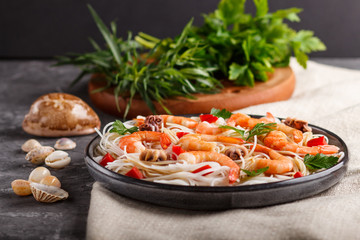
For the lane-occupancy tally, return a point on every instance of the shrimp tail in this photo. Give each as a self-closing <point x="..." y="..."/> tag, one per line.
<point x="328" y="149"/>
<point x="233" y="175"/>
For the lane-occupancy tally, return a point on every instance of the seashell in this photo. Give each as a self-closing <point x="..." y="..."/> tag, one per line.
<point x="47" y="194"/>
<point x="38" y="155"/>
<point x="65" y="144"/>
<point x="58" y="159"/>
<point x="21" y="187"/>
<point x="60" y="114"/>
<point x="51" y="181"/>
<point x="38" y="174"/>
<point x="30" y="145"/>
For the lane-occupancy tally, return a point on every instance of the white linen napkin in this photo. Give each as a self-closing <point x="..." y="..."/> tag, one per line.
<point x="325" y="96"/>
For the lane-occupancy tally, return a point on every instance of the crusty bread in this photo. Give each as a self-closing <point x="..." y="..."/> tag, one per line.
<point x="60" y="114"/>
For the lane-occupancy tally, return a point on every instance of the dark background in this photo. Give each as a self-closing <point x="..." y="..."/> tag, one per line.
<point x="44" y="28"/>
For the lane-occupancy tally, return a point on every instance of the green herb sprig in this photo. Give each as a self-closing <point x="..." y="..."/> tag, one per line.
<point x="170" y="69"/>
<point x="255" y="172"/>
<point x="119" y="127"/>
<point x="239" y="131"/>
<point x="221" y="113"/>
<point x="319" y="161"/>
<point x="259" y="129"/>
<point x="246" y="48"/>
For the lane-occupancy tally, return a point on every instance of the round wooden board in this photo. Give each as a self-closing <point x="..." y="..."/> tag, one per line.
<point x="280" y="86"/>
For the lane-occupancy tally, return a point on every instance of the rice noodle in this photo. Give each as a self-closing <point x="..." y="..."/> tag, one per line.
<point x="181" y="172"/>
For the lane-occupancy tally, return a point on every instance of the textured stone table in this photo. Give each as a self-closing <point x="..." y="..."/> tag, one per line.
<point x="22" y="217"/>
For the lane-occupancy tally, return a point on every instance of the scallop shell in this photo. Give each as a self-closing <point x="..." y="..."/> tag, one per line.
<point x="58" y="159"/>
<point x="65" y="144"/>
<point x="60" y="114"/>
<point x="47" y="194"/>
<point x="30" y="145"/>
<point x="38" y="155"/>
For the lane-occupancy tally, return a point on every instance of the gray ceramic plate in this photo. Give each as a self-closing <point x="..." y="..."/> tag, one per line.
<point x="217" y="198"/>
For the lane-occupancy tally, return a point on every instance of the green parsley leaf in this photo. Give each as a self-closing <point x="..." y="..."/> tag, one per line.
<point x="221" y="113"/>
<point x="230" y="11"/>
<point x="261" y="128"/>
<point x="290" y="14"/>
<point x="241" y="132"/>
<point x="237" y="71"/>
<point x="262" y="7"/>
<point x="319" y="161"/>
<point x="255" y="172"/>
<point x="308" y="42"/>
<point x="119" y="127"/>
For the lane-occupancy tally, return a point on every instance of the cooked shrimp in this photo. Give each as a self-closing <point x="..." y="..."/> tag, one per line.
<point x="278" y="163"/>
<point x="184" y="121"/>
<point x="245" y="121"/>
<point x="133" y="142"/>
<point x="203" y="156"/>
<point x="278" y="140"/>
<point x="208" y="128"/>
<point x="203" y="142"/>
<point x="248" y="122"/>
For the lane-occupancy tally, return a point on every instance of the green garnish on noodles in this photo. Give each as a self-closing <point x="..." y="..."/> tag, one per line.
<point x="119" y="127"/>
<point x="221" y="113"/>
<point x="255" y="172"/>
<point x="260" y="129"/>
<point x="319" y="161"/>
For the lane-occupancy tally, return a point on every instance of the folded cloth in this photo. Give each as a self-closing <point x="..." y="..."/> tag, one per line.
<point x="325" y="96"/>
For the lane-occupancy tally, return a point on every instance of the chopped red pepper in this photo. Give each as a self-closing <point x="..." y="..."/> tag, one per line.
<point x="181" y="134"/>
<point x="208" y="117"/>
<point x="106" y="159"/>
<point x="177" y="150"/>
<point x="298" y="174"/>
<point x="200" y="169"/>
<point x="134" y="173"/>
<point x="317" y="142"/>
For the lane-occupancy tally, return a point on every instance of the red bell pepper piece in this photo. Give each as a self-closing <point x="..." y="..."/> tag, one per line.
<point x="298" y="174"/>
<point x="208" y="117"/>
<point x="134" y="173"/>
<point x="317" y="142"/>
<point x="200" y="169"/>
<point x="181" y="134"/>
<point x="177" y="150"/>
<point x="106" y="159"/>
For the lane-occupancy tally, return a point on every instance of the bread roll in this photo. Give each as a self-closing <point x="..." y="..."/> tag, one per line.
<point x="60" y="114"/>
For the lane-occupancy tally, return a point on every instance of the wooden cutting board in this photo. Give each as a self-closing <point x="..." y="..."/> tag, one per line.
<point x="280" y="86"/>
